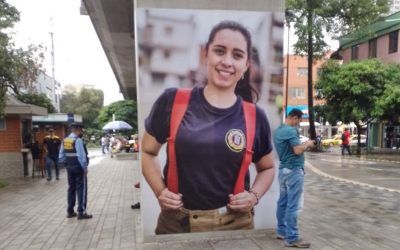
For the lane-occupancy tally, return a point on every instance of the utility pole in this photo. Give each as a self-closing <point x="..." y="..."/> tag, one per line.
<point x="55" y="96"/>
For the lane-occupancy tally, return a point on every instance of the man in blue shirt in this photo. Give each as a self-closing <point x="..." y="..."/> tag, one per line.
<point x="291" y="178"/>
<point x="72" y="153"/>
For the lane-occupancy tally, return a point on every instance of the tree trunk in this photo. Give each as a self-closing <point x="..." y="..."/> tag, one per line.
<point x="310" y="86"/>
<point x="358" y="125"/>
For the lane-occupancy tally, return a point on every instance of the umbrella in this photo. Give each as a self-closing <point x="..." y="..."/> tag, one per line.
<point x="117" y="125"/>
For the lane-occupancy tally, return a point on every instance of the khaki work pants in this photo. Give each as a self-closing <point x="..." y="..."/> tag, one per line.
<point x="187" y="221"/>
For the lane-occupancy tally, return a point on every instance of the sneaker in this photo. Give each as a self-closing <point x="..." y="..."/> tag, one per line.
<point x="48" y="179"/>
<point x="298" y="243"/>
<point x="280" y="237"/>
<point x="135" y="206"/>
<point x="57" y="178"/>
<point x="71" y="215"/>
<point x="84" y="216"/>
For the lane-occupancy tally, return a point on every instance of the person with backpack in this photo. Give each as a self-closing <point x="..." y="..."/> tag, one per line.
<point x="346" y="141"/>
<point x="213" y="134"/>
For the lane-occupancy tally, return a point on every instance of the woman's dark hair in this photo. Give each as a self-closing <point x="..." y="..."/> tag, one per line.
<point x="243" y="86"/>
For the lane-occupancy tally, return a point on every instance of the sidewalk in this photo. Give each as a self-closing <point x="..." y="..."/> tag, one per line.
<point x="383" y="154"/>
<point x="336" y="215"/>
<point x="34" y="211"/>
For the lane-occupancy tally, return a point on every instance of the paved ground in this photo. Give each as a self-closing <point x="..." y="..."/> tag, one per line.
<point x="33" y="211"/>
<point x="336" y="215"/>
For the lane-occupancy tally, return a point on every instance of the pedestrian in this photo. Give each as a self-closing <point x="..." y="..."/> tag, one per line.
<point x="107" y="143"/>
<point x="346" y="141"/>
<point x="103" y="144"/>
<point x="291" y="178"/>
<point x="51" y="147"/>
<point x="206" y="185"/>
<point x="73" y="154"/>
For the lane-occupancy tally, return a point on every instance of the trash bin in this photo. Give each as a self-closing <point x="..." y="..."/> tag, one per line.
<point x="25" y="152"/>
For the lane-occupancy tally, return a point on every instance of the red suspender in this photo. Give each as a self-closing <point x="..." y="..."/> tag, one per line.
<point x="179" y="107"/>
<point x="249" y="110"/>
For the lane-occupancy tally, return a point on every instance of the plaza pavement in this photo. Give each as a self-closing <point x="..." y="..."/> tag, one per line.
<point x="336" y="215"/>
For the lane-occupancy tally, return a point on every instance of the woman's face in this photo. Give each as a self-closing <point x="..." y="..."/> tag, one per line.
<point x="227" y="58"/>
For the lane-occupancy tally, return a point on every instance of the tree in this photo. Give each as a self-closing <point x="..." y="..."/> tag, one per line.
<point x="125" y="110"/>
<point x="387" y="105"/>
<point x="18" y="67"/>
<point x="351" y="91"/>
<point x="37" y="99"/>
<point x="85" y="101"/>
<point x="315" y="18"/>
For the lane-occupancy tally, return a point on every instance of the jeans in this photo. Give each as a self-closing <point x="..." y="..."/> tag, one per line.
<point x="291" y="182"/>
<point x="49" y="160"/>
<point x="347" y="147"/>
<point x="77" y="187"/>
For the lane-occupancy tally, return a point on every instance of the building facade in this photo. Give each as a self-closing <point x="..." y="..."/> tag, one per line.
<point x="15" y="134"/>
<point x="297" y="77"/>
<point x="379" y="40"/>
<point x="50" y="87"/>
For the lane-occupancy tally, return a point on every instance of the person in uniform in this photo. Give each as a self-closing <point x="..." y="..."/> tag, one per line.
<point x="73" y="154"/>
<point x="51" y="147"/>
<point x="211" y="144"/>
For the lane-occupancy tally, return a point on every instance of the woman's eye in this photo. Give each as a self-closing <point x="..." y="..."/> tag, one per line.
<point x="219" y="51"/>
<point x="237" y="55"/>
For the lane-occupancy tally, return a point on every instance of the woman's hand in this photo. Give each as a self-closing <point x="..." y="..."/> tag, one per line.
<point x="242" y="202"/>
<point x="169" y="200"/>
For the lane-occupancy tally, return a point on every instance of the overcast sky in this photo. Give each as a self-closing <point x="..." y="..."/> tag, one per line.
<point x="79" y="57"/>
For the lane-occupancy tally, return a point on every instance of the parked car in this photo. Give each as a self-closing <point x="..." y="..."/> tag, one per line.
<point x="354" y="140"/>
<point x="334" y="140"/>
<point x="303" y="139"/>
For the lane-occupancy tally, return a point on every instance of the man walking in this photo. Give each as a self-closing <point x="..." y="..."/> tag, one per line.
<point x="73" y="154"/>
<point x="291" y="178"/>
<point x="51" y="145"/>
<point x="346" y="141"/>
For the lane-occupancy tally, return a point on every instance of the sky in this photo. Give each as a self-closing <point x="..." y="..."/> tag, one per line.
<point x="79" y="57"/>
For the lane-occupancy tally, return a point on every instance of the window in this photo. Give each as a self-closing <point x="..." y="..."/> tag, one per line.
<point x="354" y="52"/>
<point x="2" y="123"/>
<point x="319" y="71"/>
<point x="167" y="53"/>
<point x="168" y="30"/>
<point x="158" y="78"/>
<point x="393" y="41"/>
<point x="302" y="71"/>
<point x="372" y="48"/>
<point x="297" y="93"/>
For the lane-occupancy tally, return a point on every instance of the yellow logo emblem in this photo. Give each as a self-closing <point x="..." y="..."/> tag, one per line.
<point x="68" y="144"/>
<point x="235" y="140"/>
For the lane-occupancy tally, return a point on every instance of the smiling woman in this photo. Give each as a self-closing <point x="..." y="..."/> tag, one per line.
<point x="213" y="134"/>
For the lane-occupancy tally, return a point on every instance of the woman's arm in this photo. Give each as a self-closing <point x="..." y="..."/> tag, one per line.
<point x="264" y="178"/>
<point x="151" y="170"/>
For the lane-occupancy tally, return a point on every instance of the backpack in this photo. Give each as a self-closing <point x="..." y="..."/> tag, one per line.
<point x="343" y="137"/>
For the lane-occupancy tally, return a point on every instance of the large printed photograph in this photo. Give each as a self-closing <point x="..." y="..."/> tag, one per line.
<point x="210" y="89"/>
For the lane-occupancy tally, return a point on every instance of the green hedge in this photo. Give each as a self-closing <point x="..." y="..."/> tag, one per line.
<point x="3" y="184"/>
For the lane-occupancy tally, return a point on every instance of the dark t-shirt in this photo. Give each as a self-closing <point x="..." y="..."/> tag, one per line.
<point x="52" y="144"/>
<point x="209" y="146"/>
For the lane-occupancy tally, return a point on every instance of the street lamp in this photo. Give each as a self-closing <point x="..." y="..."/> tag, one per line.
<point x="289" y="15"/>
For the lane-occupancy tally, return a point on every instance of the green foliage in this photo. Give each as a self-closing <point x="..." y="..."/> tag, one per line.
<point x="86" y="102"/>
<point x="387" y="105"/>
<point x="125" y="110"/>
<point x="18" y="67"/>
<point x="3" y="184"/>
<point x="37" y="99"/>
<point x="351" y="90"/>
<point x="333" y="17"/>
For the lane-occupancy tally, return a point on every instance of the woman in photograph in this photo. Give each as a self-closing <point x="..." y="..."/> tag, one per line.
<point x="206" y="184"/>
